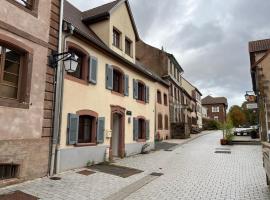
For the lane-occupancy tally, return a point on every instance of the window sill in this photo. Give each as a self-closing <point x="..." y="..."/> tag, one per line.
<point x="13" y="103"/>
<point x="77" y="80"/>
<point x="85" y="144"/>
<point x="141" y="140"/>
<point x="141" y="102"/>
<point x="117" y="47"/>
<point x="118" y="94"/>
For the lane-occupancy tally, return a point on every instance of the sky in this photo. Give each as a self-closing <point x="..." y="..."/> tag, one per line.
<point x="209" y="38"/>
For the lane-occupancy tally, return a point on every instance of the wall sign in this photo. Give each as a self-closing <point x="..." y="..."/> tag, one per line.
<point x="129" y="113"/>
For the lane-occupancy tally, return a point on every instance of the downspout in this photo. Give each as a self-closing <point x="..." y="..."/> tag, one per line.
<point x="57" y="95"/>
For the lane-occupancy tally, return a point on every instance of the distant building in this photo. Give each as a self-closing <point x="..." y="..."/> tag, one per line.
<point x="216" y="108"/>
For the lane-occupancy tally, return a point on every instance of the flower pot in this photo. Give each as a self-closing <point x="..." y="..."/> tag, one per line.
<point x="223" y="141"/>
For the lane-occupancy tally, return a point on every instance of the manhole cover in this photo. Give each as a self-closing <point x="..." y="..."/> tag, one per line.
<point x="18" y="195"/>
<point x="85" y="172"/>
<point x="168" y="150"/>
<point x="116" y="170"/>
<point x="156" y="174"/>
<point x="55" y="178"/>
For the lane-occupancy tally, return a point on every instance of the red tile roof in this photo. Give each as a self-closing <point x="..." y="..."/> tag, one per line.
<point x="259" y="45"/>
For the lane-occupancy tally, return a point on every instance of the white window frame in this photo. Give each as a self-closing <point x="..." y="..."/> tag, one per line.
<point x="215" y="109"/>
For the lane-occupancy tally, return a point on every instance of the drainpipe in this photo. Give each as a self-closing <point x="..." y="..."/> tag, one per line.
<point x="57" y="95"/>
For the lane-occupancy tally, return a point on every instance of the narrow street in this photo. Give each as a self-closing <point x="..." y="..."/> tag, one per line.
<point x="191" y="171"/>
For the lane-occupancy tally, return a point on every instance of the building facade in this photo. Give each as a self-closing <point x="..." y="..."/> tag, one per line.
<point x="216" y="108"/>
<point x="166" y="66"/>
<point x="28" y="34"/>
<point x="109" y="102"/>
<point x="260" y="62"/>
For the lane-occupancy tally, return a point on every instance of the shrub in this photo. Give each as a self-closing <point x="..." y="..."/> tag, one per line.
<point x="209" y="124"/>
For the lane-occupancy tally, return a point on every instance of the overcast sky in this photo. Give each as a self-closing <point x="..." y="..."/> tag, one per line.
<point x="208" y="37"/>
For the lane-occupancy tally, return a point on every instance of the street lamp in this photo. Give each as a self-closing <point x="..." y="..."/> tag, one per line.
<point x="70" y="60"/>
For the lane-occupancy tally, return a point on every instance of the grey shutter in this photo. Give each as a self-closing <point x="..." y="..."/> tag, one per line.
<point x="93" y="65"/>
<point x="73" y="128"/>
<point x="126" y="85"/>
<point x="146" y="94"/>
<point x="147" y="129"/>
<point x="135" y="89"/>
<point x="109" y="77"/>
<point x="100" y="130"/>
<point x="135" y="129"/>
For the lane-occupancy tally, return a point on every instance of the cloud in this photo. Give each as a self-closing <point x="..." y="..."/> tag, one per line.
<point x="210" y="40"/>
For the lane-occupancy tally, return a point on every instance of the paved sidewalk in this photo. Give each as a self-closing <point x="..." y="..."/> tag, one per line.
<point x="191" y="171"/>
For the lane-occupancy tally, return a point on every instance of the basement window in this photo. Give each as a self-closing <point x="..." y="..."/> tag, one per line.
<point x="8" y="171"/>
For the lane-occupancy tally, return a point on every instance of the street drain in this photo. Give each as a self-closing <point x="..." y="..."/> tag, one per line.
<point x="168" y="150"/>
<point x="86" y="172"/>
<point x="156" y="174"/>
<point x="226" y="152"/>
<point x="55" y="178"/>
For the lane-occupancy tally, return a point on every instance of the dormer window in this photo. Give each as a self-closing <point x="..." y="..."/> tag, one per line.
<point x="128" y="47"/>
<point x="116" y="38"/>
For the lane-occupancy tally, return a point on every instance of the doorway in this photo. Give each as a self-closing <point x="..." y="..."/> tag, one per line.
<point x="117" y="144"/>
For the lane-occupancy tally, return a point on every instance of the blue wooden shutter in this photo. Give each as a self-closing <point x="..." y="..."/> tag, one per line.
<point x="73" y="128"/>
<point x="135" y="89"/>
<point x="126" y="85"/>
<point x="109" y="77"/>
<point x="147" y="129"/>
<point x="93" y="65"/>
<point x="135" y="129"/>
<point x="100" y="130"/>
<point x="146" y="94"/>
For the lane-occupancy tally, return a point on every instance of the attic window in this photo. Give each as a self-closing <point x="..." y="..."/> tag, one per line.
<point x="128" y="47"/>
<point x="116" y="38"/>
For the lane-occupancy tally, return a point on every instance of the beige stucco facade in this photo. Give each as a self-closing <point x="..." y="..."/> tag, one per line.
<point x="162" y="109"/>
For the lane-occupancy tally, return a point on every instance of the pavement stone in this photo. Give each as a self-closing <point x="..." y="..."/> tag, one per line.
<point x="191" y="171"/>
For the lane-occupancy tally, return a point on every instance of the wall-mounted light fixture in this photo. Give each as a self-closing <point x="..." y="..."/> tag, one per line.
<point x="70" y="60"/>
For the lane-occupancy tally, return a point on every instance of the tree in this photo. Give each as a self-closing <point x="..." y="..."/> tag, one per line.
<point x="237" y="116"/>
<point x="251" y="114"/>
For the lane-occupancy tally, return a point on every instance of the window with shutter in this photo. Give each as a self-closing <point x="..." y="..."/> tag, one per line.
<point x="93" y="65"/>
<point x="166" y="122"/>
<point x="165" y="100"/>
<point x="126" y="85"/>
<point x="135" y="89"/>
<point x="147" y="129"/>
<point x="73" y="127"/>
<point x="146" y="94"/>
<point x="109" y="77"/>
<point x="135" y="129"/>
<point x="160" y="126"/>
<point x="100" y="130"/>
<point x="159" y="97"/>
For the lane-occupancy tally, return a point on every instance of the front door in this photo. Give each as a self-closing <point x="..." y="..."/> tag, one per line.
<point x="116" y="134"/>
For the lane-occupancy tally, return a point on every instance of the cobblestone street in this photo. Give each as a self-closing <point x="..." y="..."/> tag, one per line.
<point x="191" y="171"/>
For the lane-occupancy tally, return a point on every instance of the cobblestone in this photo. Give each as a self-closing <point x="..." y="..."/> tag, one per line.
<point x="192" y="171"/>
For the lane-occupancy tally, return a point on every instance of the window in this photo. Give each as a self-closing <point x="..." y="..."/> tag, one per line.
<point x="29" y="4"/>
<point x="82" y="68"/>
<point x="8" y="171"/>
<point x="159" y="97"/>
<point x="160" y="124"/>
<point x="216" y="118"/>
<point x="175" y="93"/>
<point x="166" y="122"/>
<point x="116" y="38"/>
<point x="171" y="90"/>
<point x="165" y="99"/>
<point x="128" y="47"/>
<point x="141" y="91"/>
<point x="14" y="84"/>
<point x="118" y="81"/>
<point x="215" y="109"/>
<point x="141" y="129"/>
<point x="86" y="129"/>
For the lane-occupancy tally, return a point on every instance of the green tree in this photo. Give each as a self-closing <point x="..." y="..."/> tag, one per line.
<point x="237" y="116"/>
<point x="251" y="114"/>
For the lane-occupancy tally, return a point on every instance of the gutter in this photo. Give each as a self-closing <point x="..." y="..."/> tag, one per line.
<point x="57" y="96"/>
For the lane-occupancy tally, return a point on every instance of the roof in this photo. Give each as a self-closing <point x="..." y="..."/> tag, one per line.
<point x="195" y="88"/>
<point x="73" y="15"/>
<point x="175" y="62"/>
<point x="103" y="12"/>
<point x="259" y="45"/>
<point x="214" y="100"/>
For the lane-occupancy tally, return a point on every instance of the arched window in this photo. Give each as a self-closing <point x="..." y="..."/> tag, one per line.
<point x="118" y="81"/>
<point x="165" y="97"/>
<point x="82" y="68"/>
<point x="160" y="122"/>
<point x="87" y="126"/>
<point x="159" y="97"/>
<point x="166" y="122"/>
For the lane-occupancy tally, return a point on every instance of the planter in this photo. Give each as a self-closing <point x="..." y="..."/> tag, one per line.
<point x="253" y="134"/>
<point x="223" y="141"/>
